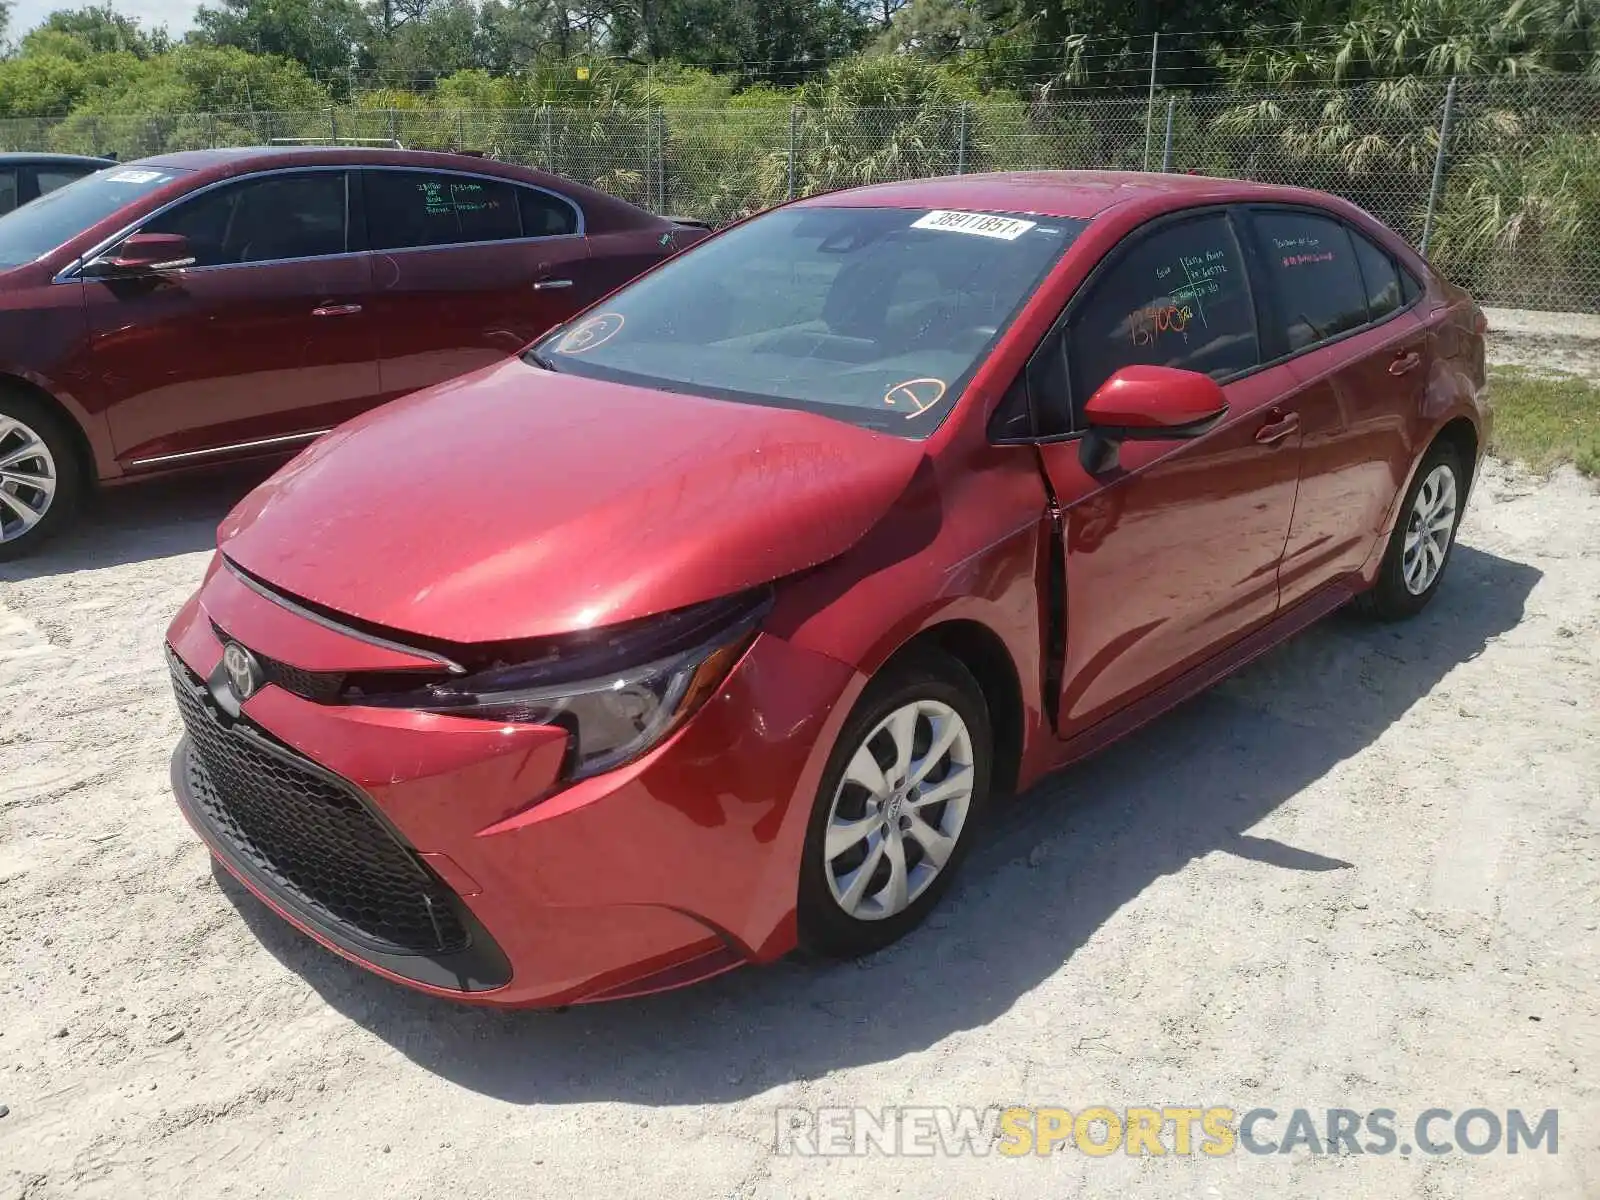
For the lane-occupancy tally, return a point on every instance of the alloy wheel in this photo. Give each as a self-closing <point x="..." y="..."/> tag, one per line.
<point x="1431" y="525"/>
<point x="899" y="810"/>
<point x="28" y="478"/>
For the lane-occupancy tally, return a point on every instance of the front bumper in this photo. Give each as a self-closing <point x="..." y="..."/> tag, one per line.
<point x="671" y="869"/>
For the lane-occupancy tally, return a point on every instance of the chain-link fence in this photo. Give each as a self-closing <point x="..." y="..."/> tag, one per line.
<point x="1498" y="179"/>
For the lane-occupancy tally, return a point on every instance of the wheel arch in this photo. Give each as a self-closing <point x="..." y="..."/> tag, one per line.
<point x="76" y="421"/>
<point x="1461" y="431"/>
<point x="1462" y="435"/>
<point x="983" y="652"/>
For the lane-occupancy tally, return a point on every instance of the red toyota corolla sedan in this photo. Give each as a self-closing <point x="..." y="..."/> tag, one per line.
<point x="710" y="625"/>
<point x="217" y="305"/>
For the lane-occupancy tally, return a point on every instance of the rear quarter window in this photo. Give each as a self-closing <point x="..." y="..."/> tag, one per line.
<point x="1379" y="276"/>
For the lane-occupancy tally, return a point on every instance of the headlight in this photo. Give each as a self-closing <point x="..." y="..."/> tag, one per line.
<point x="616" y="691"/>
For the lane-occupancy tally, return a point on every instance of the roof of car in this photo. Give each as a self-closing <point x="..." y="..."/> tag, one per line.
<point x="22" y="156"/>
<point x="232" y="156"/>
<point x="1079" y="194"/>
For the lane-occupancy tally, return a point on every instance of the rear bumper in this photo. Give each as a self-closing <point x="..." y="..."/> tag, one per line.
<point x="674" y="868"/>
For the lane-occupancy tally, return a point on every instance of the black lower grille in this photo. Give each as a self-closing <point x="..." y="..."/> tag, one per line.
<point x="311" y="835"/>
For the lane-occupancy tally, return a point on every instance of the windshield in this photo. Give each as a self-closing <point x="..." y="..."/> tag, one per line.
<point x="57" y="217"/>
<point x="877" y="316"/>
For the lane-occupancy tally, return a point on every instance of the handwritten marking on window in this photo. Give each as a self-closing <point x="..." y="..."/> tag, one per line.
<point x="918" y="394"/>
<point x="1295" y="260"/>
<point x="1149" y="323"/>
<point x="590" y="332"/>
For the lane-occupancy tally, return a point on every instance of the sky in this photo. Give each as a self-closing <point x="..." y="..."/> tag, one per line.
<point x="176" y="15"/>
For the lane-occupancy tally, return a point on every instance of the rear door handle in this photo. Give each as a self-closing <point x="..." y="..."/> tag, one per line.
<point x="550" y="285"/>
<point x="1275" y="431"/>
<point x="336" y="310"/>
<point x="1406" y="362"/>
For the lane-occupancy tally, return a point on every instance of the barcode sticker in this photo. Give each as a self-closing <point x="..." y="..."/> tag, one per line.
<point x="1007" y="229"/>
<point x="135" y="176"/>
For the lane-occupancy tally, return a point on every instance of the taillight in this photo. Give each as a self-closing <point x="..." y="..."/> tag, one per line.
<point x="1480" y="321"/>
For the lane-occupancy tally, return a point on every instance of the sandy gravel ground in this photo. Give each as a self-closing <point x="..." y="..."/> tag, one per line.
<point x="1364" y="873"/>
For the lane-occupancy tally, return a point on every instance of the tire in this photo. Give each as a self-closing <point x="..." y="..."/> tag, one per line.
<point x="41" y="477"/>
<point x="934" y="688"/>
<point x="1403" y="587"/>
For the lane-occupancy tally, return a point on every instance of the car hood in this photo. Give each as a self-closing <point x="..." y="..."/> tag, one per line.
<point x="516" y="503"/>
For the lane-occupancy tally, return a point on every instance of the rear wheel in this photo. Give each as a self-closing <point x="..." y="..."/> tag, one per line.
<point x="1424" y="535"/>
<point x="40" y="478"/>
<point x="904" y="790"/>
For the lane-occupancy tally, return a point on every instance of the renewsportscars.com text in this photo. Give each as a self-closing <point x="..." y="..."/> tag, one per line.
<point x="1157" y="1130"/>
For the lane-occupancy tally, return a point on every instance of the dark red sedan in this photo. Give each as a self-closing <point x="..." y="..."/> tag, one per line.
<point x="711" y="625"/>
<point x="216" y="305"/>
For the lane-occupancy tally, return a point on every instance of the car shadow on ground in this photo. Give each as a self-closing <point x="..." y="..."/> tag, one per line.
<point x="139" y="522"/>
<point x="1054" y="865"/>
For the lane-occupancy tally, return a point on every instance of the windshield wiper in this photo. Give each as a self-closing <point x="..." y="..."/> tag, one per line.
<point x="539" y="360"/>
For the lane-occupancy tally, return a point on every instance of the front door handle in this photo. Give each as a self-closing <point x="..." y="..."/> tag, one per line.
<point x="1406" y="362"/>
<point x="550" y="285"/>
<point x="336" y="310"/>
<point x="1276" y="430"/>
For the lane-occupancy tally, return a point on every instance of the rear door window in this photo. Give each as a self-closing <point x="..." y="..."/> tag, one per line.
<point x="51" y="178"/>
<point x="1310" y="265"/>
<point x="1179" y="298"/>
<point x="436" y="208"/>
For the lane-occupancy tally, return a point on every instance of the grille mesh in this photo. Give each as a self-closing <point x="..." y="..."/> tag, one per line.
<point x="322" y="687"/>
<point x="310" y="834"/>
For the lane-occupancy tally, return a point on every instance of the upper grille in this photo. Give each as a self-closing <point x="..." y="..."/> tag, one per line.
<point x="323" y="687"/>
<point x="310" y="834"/>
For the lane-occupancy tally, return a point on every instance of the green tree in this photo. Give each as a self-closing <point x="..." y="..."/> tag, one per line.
<point x="97" y="29"/>
<point x="325" y="36"/>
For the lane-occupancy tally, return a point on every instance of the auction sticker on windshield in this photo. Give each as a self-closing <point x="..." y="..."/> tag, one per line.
<point x="134" y="176"/>
<point x="983" y="224"/>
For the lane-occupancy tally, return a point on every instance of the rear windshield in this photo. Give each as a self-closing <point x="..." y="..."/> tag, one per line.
<point x="57" y="217"/>
<point x="878" y="316"/>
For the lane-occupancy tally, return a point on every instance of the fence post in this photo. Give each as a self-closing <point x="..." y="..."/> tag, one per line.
<point x="211" y="123"/>
<point x="1166" y="153"/>
<point x="394" y="127"/>
<point x="661" y="159"/>
<point x="1438" y="162"/>
<point x="794" y="129"/>
<point x="1150" y="105"/>
<point x="461" y="130"/>
<point x="333" y="124"/>
<point x="961" y="140"/>
<point x="549" y="141"/>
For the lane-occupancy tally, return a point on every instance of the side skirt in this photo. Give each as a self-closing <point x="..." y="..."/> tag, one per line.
<point x="1220" y="665"/>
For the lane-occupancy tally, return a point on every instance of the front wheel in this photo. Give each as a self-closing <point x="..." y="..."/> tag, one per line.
<point x="1424" y="535"/>
<point x="40" y="479"/>
<point x="903" y="792"/>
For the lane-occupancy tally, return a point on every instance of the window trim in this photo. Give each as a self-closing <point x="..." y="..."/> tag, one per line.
<point x="1269" y="288"/>
<point x="72" y="272"/>
<point x="579" y="231"/>
<point x="1125" y="246"/>
<point x="355" y="215"/>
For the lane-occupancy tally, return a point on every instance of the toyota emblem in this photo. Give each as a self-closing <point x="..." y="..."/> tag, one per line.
<point x="244" y="673"/>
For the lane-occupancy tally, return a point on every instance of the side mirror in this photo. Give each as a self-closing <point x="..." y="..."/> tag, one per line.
<point x="1150" y="404"/>
<point x="145" y="252"/>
